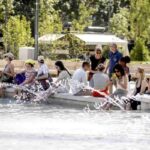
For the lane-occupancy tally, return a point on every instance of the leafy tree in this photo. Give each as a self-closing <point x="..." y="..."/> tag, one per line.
<point x="78" y="12"/>
<point x="106" y="9"/>
<point x="49" y="20"/>
<point x="17" y="33"/>
<point x="140" y="52"/>
<point x="84" y="18"/>
<point x="139" y="19"/>
<point x="119" y="23"/>
<point x="6" y="9"/>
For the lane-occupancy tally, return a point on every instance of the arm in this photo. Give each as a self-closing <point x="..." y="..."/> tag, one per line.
<point x="107" y="66"/>
<point x="42" y="77"/>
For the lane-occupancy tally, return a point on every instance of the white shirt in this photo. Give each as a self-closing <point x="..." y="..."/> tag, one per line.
<point x="124" y="80"/>
<point x="43" y="70"/>
<point x="64" y="75"/>
<point x="80" y="76"/>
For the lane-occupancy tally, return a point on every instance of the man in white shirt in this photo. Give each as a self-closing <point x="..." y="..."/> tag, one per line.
<point x="80" y="75"/>
<point x="80" y="80"/>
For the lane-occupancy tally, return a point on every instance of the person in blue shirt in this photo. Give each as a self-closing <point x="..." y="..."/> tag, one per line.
<point x="114" y="57"/>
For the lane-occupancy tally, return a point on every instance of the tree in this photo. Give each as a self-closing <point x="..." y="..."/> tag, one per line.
<point x="140" y="52"/>
<point x="17" y="33"/>
<point x="79" y="12"/>
<point x="49" y="20"/>
<point x="106" y="9"/>
<point x="119" y="23"/>
<point x="139" y="19"/>
<point x="84" y="18"/>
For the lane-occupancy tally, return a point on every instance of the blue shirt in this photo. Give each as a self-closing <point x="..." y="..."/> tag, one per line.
<point x="114" y="59"/>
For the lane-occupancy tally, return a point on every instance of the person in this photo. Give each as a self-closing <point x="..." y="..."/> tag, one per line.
<point x="25" y="77"/>
<point x="8" y="73"/>
<point x="43" y="73"/>
<point x="29" y="72"/>
<point x="140" y="78"/>
<point x="141" y="86"/>
<point x="120" y="82"/>
<point x="145" y="87"/>
<point x="95" y="61"/>
<point x="114" y="57"/>
<point x="80" y="80"/>
<point x="80" y="74"/>
<point x="123" y="62"/>
<point x="63" y="76"/>
<point x="100" y="81"/>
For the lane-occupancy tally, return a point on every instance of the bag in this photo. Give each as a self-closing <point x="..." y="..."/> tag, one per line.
<point x="5" y="78"/>
<point x="20" y="78"/>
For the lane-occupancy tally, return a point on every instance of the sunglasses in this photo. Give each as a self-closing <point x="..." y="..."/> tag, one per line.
<point x="116" y="71"/>
<point x="98" y="53"/>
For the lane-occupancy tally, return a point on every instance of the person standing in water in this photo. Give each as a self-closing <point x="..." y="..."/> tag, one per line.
<point x="95" y="61"/>
<point x="114" y="57"/>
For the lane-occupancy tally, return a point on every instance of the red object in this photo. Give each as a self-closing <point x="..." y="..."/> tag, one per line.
<point x="102" y="94"/>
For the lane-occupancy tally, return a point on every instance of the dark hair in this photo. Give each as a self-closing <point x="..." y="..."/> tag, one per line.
<point x="10" y="59"/>
<point x="41" y="61"/>
<point x="98" y="50"/>
<point x="31" y="65"/>
<point x="125" y="59"/>
<point x="101" y="67"/>
<point x="85" y="63"/>
<point x="61" y="66"/>
<point x="120" y="69"/>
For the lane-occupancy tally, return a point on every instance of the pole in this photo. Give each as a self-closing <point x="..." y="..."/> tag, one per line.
<point x="36" y="28"/>
<point x="6" y="20"/>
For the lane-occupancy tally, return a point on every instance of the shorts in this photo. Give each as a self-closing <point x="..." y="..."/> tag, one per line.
<point x="101" y="93"/>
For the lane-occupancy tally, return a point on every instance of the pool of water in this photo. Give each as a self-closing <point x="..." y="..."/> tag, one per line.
<point x="46" y="127"/>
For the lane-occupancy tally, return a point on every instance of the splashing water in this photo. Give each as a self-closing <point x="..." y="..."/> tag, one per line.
<point x="36" y="93"/>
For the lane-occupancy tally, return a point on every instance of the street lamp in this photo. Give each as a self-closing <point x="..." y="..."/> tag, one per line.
<point x="36" y="28"/>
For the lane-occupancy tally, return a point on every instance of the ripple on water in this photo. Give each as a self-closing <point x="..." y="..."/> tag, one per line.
<point x="30" y="126"/>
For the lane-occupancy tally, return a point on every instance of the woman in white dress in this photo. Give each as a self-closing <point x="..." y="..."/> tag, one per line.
<point x="63" y="76"/>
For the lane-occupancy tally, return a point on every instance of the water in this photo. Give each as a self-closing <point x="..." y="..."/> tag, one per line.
<point x="46" y="127"/>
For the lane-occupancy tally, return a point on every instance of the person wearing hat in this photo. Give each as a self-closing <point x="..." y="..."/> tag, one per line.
<point x="8" y="73"/>
<point x="100" y="81"/>
<point x="29" y="72"/>
<point x="43" y="73"/>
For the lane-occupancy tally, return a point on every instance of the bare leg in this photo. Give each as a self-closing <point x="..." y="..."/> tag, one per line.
<point x="1" y="92"/>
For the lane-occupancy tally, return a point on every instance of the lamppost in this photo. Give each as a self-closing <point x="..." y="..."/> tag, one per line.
<point x="6" y="20"/>
<point x="36" y="28"/>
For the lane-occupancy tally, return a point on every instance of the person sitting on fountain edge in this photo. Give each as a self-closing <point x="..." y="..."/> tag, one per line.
<point x="80" y="77"/>
<point x="43" y="73"/>
<point x="80" y="74"/>
<point x="63" y="75"/>
<point x="101" y="82"/>
<point x="8" y="73"/>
